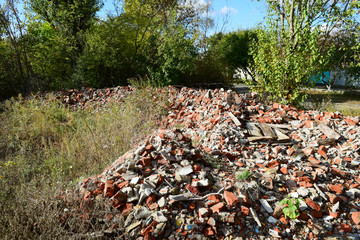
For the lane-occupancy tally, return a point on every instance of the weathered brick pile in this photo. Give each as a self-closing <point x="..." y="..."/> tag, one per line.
<point x="183" y="181"/>
<point x="79" y="99"/>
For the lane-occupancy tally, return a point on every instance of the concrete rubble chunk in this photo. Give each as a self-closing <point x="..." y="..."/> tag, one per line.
<point x="266" y="205"/>
<point x="330" y="133"/>
<point x="255" y="216"/>
<point x="159" y="217"/>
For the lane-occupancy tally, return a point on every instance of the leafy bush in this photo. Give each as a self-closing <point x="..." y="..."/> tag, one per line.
<point x="283" y="69"/>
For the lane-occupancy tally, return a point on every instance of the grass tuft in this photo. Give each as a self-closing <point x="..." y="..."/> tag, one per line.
<point x="44" y="146"/>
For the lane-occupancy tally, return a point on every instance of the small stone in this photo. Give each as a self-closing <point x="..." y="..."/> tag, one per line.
<point x="134" y="181"/>
<point x="159" y="217"/>
<point x="164" y="190"/>
<point x="271" y="219"/>
<point x="255" y="216"/>
<point x="161" y="202"/>
<point x="132" y="226"/>
<point x="328" y="218"/>
<point x="208" y="231"/>
<point x="203" y="183"/>
<point x="336" y="207"/>
<point x="303" y="192"/>
<point x="266" y="205"/>
<point x="204" y="212"/>
<point x="353" y="193"/>
<point x="294" y="195"/>
<point x="211" y="221"/>
<point x="141" y="213"/>
<point x="303" y="206"/>
<point x="109" y="188"/>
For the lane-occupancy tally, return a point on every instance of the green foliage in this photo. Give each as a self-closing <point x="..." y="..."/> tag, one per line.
<point x="174" y="58"/>
<point x="244" y="175"/>
<point x="109" y="56"/>
<point x="233" y="49"/>
<point x="283" y="71"/>
<point x="291" y="208"/>
<point x="294" y="45"/>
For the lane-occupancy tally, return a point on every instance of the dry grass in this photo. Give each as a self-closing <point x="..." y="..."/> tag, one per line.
<point x="346" y="102"/>
<point x="45" y="148"/>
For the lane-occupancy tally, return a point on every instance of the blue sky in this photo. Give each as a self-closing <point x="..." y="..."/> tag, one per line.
<point x="229" y="15"/>
<point x="238" y="13"/>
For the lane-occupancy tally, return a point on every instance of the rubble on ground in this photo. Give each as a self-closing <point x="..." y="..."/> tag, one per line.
<point x="222" y="163"/>
<point x="80" y="99"/>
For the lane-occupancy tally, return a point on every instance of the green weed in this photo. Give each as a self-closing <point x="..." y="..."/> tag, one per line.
<point x="291" y="208"/>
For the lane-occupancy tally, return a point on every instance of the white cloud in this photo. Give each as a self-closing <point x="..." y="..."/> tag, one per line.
<point x="228" y="10"/>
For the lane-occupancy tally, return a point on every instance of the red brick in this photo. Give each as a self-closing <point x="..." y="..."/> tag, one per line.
<point x="208" y="231"/>
<point x="355" y="216"/>
<point x="323" y="151"/>
<point x="284" y="170"/>
<point x="333" y="198"/>
<point x="126" y="208"/>
<point x="316" y="214"/>
<point x="345" y="227"/>
<point x="309" y="124"/>
<point x="351" y="122"/>
<point x="290" y="151"/>
<point x="308" y="151"/>
<point x="298" y="173"/>
<point x="245" y="210"/>
<point x="196" y="168"/>
<point x="337" y="172"/>
<point x="284" y="220"/>
<point x="304" y="216"/>
<point x="338" y="188"/>
<point x="109" y="188"/>
<point x="217" y="208"/>
<point x="123" y="184"/>
<point x="334" y="214"/>
<point x="146" y="161"/>
<point x="312" y="204"/>
<point x="230" y="198"/>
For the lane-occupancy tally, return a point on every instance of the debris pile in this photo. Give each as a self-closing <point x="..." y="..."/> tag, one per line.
<point x="79" y="99"/>
<point x="223" y="163"/>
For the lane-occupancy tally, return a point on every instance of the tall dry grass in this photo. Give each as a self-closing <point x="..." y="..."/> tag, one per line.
<point x="46" y="147"/>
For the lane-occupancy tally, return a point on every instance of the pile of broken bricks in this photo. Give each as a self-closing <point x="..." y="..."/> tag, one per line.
<point x="85" y="97"/>
<point x="182" y="182"/>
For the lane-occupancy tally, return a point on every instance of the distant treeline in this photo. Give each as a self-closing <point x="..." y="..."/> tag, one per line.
<point x="49" y="45"/>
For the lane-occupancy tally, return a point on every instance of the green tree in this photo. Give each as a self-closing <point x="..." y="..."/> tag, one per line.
<point x="233" y="49"/>
<point x="15" y="49"/>
<point x="289" y="49"/>
<point x="58" y="29"/>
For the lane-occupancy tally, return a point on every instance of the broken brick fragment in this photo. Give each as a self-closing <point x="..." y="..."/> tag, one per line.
<point x="109" y="188"/>
<point x="230" y="198"/>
